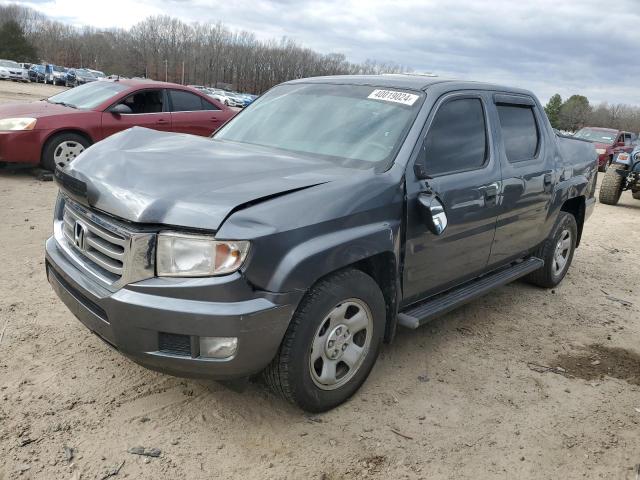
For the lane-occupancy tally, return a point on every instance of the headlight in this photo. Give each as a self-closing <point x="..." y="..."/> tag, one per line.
<point x="600" y="151"/>
<point x="184" y="255"/>
<point x="17" y="123"/>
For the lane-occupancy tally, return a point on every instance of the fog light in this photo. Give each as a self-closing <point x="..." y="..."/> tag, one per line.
<point x="218" y="347"/>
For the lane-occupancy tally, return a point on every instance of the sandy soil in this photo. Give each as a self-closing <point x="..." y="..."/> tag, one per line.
<point x="523" y="383"/>
<point x="25" y="92"/>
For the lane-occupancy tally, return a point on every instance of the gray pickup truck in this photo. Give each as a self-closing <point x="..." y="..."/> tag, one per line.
<point x="330" y="211"/>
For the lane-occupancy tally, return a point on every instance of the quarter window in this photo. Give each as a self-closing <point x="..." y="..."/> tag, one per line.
<point x="457" y="138"/>
<point x="185" y="101"/>
<point x="519" y="132"/>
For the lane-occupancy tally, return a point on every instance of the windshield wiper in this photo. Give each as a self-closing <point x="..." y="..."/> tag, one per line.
<point x="64" y="104"/>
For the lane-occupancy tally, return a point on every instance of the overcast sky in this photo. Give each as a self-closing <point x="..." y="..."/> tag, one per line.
<point x="591" y="47"/>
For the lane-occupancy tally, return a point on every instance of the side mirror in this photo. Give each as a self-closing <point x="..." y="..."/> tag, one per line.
<point x="432" y="213"/>
<point x="121" y="109"/>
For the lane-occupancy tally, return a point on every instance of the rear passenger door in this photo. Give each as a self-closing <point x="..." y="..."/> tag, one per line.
<point x="457" y="155"/>
<point x="191" y="113"/>
<point x="528" y="177"/>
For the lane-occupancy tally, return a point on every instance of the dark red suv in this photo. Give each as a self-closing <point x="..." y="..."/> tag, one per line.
<point x="608" y="142"/>
<point x="56" y="130"/>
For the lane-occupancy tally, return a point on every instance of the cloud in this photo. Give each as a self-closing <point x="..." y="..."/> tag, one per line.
<point x="584" y="47"/>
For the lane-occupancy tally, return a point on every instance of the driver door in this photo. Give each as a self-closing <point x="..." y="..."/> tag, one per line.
<point x="457" y="165"/>
<point x="148" y="109"/>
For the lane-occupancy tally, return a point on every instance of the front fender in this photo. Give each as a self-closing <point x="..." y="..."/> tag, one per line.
<point x="309" y="261"/>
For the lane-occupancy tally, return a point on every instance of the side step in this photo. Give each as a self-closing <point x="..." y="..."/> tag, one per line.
<point x="421" y="313"/>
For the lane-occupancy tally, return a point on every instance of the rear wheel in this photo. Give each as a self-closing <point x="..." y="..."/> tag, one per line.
<point x="61" y="149"/>
<point x="636" y="194"/>
<point x="557" y="252"/>
<point x="331" y="344"/>
<point x="611" y="187"/>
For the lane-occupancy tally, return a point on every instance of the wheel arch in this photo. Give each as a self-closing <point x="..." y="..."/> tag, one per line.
<point x="372" y="249"/>
<point x="76" y="131"/>
<point x="576" y="206"/>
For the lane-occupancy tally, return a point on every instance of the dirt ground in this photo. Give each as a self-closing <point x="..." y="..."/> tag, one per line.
<point x="523" y="383"/>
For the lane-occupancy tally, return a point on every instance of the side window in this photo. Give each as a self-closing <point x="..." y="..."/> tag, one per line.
<point x="185" y="101"/>
<point x="457" y="138"/>
<point x="627" y="139"/>
<point x="147" y="101"/>
<point x="208" y="105"/>
<point x="519" y="132"/>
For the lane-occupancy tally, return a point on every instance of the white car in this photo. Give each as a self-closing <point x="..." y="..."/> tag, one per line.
<point x="10" y="70"/>
<point x="220" y="95"/>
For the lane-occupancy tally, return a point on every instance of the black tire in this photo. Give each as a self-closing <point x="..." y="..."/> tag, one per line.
<point x="48" y="152"/>
<point x="636" y="194"/>
<point x="548" y="276"/>
<point x="290" y="373"/>
<point x="611" y="187"/>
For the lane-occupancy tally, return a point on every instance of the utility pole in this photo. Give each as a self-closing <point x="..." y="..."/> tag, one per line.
<point x="183" y="72"/>
<point x="166" y="71"/>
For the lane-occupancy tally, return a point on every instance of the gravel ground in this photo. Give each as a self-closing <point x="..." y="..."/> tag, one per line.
<point x="523" y="383"/>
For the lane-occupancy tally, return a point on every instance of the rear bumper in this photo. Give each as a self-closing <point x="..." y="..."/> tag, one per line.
<point x="136" y="323"/>
<point x="21" y="146"/>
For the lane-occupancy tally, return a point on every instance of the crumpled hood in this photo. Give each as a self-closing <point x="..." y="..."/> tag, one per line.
<point x="147" y="176"/>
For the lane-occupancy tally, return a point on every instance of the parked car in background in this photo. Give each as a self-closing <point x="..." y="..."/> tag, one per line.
<point x="298" y="238"/>
<point x="55" y="131"/>
<point x="219" y="95"/>
<point x="36" y="73"/>
<point x="97" y="73"/>
<point x="623" y="175"/>
<point x="10" y="70"/>
<point x="608" y="142"/>
<point x="79" y="76"/>
<point x="55" y="75"/>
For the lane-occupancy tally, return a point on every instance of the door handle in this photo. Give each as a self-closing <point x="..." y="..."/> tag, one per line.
<point x="162" y="120"/>
<point x="547" y="179"/>
<point x="491" y="194"/>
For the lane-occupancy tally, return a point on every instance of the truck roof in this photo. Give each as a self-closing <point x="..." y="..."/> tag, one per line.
<point x="407" y="81"/>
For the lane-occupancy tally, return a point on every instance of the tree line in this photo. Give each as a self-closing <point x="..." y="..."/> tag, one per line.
<point x="576" y="112"/>
<point x="165" y="48"/>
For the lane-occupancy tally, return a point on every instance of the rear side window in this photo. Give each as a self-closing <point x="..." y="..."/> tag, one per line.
<point x="519" y="132"/>
<point x="208" y="105"/>
<point x="185" y="101"/>
<point x="457" y="138"/>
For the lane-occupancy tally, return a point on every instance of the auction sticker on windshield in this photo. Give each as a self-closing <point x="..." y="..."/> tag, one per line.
<point x="394" y="96"/>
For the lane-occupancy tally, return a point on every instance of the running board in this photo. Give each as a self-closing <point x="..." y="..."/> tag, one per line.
<point x="421" y="313"/>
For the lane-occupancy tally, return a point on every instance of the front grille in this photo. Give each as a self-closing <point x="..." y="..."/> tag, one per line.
<point x="104" y="248"/>
<point x="108" y="250"/>
<point x="174" y="344"/>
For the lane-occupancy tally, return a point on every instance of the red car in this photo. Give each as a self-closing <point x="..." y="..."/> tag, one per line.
<point x="54" y="131"/>
<point x="608" y="142"/>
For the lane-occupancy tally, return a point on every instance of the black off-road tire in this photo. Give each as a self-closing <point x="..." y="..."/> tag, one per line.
<point x="48" y="152"/>
<point x="611" y="187"/>
<point x="545" y="276"/>
<point x="636" y="194"/>
<point x="289" y="373"/>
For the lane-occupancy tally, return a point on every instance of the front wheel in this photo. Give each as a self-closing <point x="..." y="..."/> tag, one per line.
<point x="61" y="149"/>
<point x="331" y="344"/>
<point x="557" y="252"/>
<point x="611" y="187"/>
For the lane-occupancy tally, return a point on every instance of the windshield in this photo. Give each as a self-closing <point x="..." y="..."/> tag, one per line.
<point x="358" y="126"/>
<point x="9" y="63"/>
<point x="89" y="95"/>
<point x="58" y="69"/>
<point x="596" y="136"/>
<point x="85" y="73"/>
